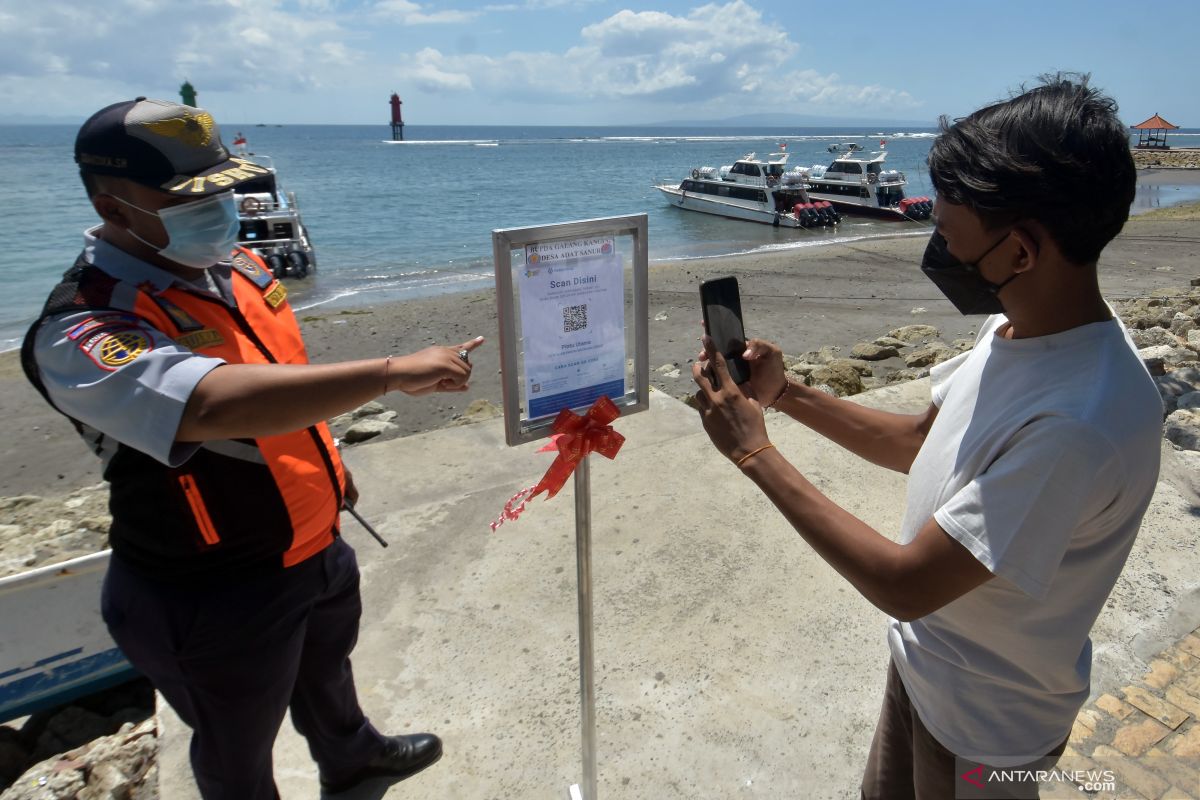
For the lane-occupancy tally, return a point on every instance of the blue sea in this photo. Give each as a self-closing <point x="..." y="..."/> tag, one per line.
<point x="391" y="221"/>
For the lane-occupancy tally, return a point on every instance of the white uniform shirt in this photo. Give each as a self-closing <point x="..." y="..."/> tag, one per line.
<point x="139" y="403"/>
<point x="1041" y="462"/>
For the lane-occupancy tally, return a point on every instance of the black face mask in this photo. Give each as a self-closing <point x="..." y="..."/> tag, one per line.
<point x="960" y="281"/>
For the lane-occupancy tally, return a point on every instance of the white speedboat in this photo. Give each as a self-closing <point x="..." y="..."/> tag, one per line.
<point x="271" y="224"/>
<point x="752" y="189"/>
<point x="860" y="184"/>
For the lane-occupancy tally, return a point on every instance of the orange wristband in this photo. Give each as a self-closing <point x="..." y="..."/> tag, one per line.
<point x="752" y="453"/>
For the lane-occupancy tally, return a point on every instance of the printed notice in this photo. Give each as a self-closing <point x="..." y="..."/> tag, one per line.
<point x="573" y="323"/>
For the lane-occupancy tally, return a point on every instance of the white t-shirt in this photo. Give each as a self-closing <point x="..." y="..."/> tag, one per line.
<point x="1041" y="462"/>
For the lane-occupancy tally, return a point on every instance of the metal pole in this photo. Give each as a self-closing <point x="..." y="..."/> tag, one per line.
<point x="587" y="687"/>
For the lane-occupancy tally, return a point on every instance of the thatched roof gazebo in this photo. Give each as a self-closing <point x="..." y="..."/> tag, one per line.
<point x="1152" y="134"/>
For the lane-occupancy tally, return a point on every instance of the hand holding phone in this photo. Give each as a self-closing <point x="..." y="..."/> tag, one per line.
<point x="722" y="307"/>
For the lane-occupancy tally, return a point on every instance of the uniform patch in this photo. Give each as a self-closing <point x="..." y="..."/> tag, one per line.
<point x="92" y="324"/>
<point x="182" y="319"/>
<point x="257" y="275"/>
<point x="112" y="349"/>
<point x="205" y="338"/>
<point x="277" y="294"/>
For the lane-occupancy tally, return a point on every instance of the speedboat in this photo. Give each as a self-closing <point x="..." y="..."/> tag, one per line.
<point x="271" y="224"/>
<point x="849" y="147"/>
<point x="759" y="190"/>
<point x="860" y="184"/>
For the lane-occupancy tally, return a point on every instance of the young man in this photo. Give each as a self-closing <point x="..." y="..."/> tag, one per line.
<point x="1029" y="472"/>
<point x="179" y="361"/>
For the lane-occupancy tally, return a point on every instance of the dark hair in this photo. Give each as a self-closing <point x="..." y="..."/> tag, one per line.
<point x="1056" y="153"/>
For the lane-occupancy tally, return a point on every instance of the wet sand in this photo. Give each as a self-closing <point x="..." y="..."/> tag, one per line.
<point x="804" y="299"/>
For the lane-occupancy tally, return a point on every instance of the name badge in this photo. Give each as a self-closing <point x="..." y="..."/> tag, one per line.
<point x="276" y="295"/>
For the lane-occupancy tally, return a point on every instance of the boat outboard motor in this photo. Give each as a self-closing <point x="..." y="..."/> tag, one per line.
<point x="277" y="263"/>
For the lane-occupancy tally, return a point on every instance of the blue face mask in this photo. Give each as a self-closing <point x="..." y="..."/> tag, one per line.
<point x="200" y="233"/>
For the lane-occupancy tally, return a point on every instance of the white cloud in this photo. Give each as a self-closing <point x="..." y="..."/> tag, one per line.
<point x="410" y="13"/>
<point x="721" y="59"/>
<point x="147" y="47"/>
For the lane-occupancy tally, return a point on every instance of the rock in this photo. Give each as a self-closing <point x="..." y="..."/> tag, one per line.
<point x="1179" y="382"/>
<point x="1182" y="429"/>
<point x="890" y="341"/>
<point x="842" y="379"/>
<point x="909" y="374"/>
<point x="340" y="420"/>
<point x="873" y="383"/>
<point x="856" y="364"/>
<point x="366" y="429"/>
<point x="666" y="369"/>
<point x="929" y="355"/>
<point x="19" y="501"/>
<point x="1148" y="318"/>
<point x="1152" y="337"/>
<point x="661" y="316"/>
<point x="1188" y="402"/>
<point x="914" y="333"/>
<point x="827" y="354"/>
<point x="801" y="368"/>
<point x="116" y="767"/>
<point x="368" y="410"/>
<point x="1181" y="324"/>
<point x="918" y="310"/>
<point x="1171" y="356"/>
<point x="56" y="530"/>
<point x="963" y="345"/>
<point x="873" y="352"/>
<point x="1193" y="339"/>
<point x="479" y="411"/>
<point x="1195" y="282"/>
<point x="1155" y="366"/>
<point x="9" y="532"/>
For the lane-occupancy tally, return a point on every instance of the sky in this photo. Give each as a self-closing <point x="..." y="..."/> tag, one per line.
<point x="588" y="62"/>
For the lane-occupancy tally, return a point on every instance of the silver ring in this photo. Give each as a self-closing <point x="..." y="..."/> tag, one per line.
<point x="465" y="356"/>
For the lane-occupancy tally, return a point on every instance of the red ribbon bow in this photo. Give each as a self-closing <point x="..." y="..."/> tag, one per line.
<point x="574" y="437"/>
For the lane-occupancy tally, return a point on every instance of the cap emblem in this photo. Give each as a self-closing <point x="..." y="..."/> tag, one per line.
<point x="192" y="129"/>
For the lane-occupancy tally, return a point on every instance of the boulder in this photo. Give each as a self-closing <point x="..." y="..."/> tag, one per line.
<point x="873" y="352"/>
<point x="111" y="767"/>
<point x="914" y="333"/>
<point x="1152" y="337"/>
<point x="908" y="374"/>
<point x="1182" y="429"/>
<point x="802" y="368"/>
<point x="478" y="411"/>
<point x="367" y="429"/>
<point x="1193" y="339"/>
<point x="891" y="341"/>
<point x="843" y="379"/>
<point x="1181" y="324"/>
<point x="1179" y="382"/>
<point x="856" y="364"/>
<point x="368" y="410"/>
<point x="930" y="354"/>
<point x="1170" y="356"/>
<point x="1188" y="402"/>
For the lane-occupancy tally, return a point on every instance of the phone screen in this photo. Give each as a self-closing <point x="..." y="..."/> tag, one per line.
<point x="722" y="307"/>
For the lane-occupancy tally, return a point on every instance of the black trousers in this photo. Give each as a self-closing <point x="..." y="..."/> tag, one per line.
<point x="233" y="657"/>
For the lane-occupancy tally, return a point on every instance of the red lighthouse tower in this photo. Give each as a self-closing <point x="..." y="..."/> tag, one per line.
<point x="397" y="120"/>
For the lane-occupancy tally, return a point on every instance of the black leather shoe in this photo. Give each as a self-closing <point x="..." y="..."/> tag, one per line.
<point x="402" y="757"/>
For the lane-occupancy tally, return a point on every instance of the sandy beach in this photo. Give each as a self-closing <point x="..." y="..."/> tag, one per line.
<point x="804" y="299"/>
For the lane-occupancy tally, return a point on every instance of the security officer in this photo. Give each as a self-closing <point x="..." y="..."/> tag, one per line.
<point x="184" y="370"/>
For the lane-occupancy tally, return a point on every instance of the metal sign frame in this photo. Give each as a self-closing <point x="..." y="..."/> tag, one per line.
<point x="518" y="429"/>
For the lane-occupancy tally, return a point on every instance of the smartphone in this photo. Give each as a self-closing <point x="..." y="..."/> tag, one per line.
<point x="722" y="306"/>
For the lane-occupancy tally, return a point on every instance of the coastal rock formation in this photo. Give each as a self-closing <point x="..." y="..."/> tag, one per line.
<point x="118" y="766"/>
<point x="1178" y="158"/>
<point x="914" y="333"/>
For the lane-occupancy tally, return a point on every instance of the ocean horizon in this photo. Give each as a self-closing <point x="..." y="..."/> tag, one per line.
<point x="396" y="220"/>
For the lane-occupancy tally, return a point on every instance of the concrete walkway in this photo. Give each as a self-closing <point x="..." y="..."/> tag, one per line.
<point x="730" y="660"/>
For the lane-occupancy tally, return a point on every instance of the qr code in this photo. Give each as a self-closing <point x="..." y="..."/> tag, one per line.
<point x="574" y="318"/>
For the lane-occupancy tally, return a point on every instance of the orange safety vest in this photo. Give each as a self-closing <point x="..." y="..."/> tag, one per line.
<point x="264" y="503"/>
